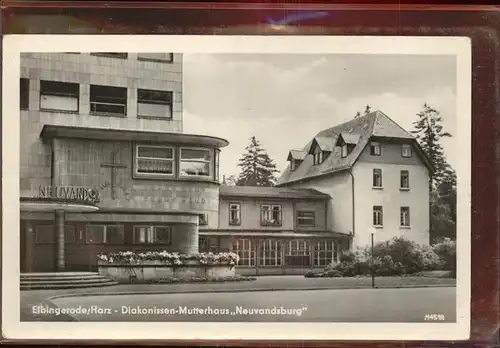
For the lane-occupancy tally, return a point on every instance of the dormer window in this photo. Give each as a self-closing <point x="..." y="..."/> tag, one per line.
<point x="344" y="151"/>
<point x="295" y="157"/>
<point x="318" y="158"/>
<point x="375" y="149"/>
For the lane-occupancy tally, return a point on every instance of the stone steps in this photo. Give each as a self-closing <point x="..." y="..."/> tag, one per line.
<point x="63" y="280"/>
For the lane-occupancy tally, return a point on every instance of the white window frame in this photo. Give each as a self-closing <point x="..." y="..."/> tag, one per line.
<point x="101" y="113"/>
<point x="404" y="217"/>
<point x="302" y="218"/>
<point x="377" y="149"/>
<point x="150" y="236"/>
<point x="210" y="162"/>
<point x="237" y="209"/>
<point x="68" y="96"/>
<point x="380" y="176"/>
<point x="323" y="255"/>
<point x="401" y="187"/>
<point x="406" y="151"/>
<point x="245" y="250"/>
<point x="378" y="216"/>
<point x="318" y="158"/>
<point x="168" y="104"/>
<point x="270" y="211"/>
<point x="137" y="157"/>
<point x="344" y="151"/>
<point x="270" y="253"/>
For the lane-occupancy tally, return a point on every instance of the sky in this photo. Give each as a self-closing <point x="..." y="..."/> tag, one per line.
<point x="285" y="100"/>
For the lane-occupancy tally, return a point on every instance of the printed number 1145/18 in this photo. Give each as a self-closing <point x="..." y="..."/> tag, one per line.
<point x="434" y="317"/>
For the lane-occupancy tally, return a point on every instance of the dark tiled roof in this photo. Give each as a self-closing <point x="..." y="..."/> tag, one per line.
<point x="360" y="129"/>
<point x="270" y="192"/>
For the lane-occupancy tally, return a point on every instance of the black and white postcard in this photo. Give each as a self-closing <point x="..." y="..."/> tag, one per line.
<point x="236" y="187"/>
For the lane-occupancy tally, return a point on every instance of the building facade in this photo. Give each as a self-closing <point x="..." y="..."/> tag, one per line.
<point x="105" y="166"/>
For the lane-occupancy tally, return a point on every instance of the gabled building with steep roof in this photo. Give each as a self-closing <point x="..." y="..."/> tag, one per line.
<point x="376" y="175"/>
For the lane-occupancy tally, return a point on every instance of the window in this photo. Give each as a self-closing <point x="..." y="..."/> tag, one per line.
<point x="246" y="251"/>
<point x="154" y="103"/>
<point x="344" y="151"/>
<point x="217" y="165"/>
<point x="404" y="218"/>
<point x="156" y="57"/>
<point x="297" y="253"/>
<point x="306" y="218"/>
<point x="105" y="234"/>
<point x="375" y="149"/>
<point x="377" y="178"/>
<point x="195" y="162"/>
<point x="209" y="244"/>
<point x="270" y="215"/>
<point x="203" y="221"/>
<point x="110" y="54"/>
<point x="45" y="234"/>
<point x="157" y="160"/>
<point x="107" y="100"/>
<point x="378" y="216"/>
<point x="270" y="253"/>
<point x="405" y="150"/>
<point x="24" y="96"/>
<point x="318" y="158"/>
<point x="405" y="180"/>
<point x="293" y="165"/>
<point x="234" y="213"/>
<point x="325" y="252"/>
<point x="61" y="96"/>
<point x="152" y="234"/>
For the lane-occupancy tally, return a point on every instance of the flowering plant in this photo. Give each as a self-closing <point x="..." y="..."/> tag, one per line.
<point x="171" y="258"/>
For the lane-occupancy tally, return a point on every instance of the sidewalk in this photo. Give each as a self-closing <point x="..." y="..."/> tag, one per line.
<point x="268" y="283"/>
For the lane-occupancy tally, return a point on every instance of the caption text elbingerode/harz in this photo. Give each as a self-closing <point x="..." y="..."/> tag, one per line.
<point x="154" y="310"/>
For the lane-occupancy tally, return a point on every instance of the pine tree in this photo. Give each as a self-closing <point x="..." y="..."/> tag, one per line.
<point x="443" y="214"/>
<point x="429" y="132"/>
<point x="257" y="168"/>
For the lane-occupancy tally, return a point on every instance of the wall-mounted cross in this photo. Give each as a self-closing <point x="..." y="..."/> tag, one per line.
<point x="114" y="166"/>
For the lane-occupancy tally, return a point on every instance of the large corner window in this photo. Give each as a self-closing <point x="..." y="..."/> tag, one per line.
<point x="59" y="96"/>
<point x="24" y="94"/>
<point x="152" y="234"/>
<point x="195" y="162"/>
<point x="270" y="215"/>
<point x="152" y="103"/>
<point x="325" y="252"/>
<point x="234" y="214"/>
<point x="154" y="160"/>
<point x="105" y="234"/>
<point x="110" y="54"/>
<point x="108" y="100"/>
<point x="156" y="57"/>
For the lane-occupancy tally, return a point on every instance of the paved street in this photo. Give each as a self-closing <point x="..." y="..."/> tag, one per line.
<point x="354" y="305"/>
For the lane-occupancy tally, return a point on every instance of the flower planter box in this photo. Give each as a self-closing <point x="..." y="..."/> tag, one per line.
<point x="143" y="271"/>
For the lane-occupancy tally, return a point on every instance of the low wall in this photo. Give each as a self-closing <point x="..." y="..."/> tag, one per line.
<point x="156" y="271"/>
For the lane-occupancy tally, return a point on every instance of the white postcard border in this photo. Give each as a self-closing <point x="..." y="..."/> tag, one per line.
<point x="13" y="45"/>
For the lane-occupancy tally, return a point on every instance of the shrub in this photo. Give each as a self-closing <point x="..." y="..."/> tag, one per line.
<point x="447" y="251"/>
<point x="333" y="273"/>
<point x="312" y="274"/>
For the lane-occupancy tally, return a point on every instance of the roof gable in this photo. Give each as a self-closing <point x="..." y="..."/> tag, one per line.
<point x="296" y="155"/>
<point x="324" y="144"/>
<point x="358" y="132"/>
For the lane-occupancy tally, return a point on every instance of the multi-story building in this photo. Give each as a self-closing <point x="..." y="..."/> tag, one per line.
<point x="105" y="166"/>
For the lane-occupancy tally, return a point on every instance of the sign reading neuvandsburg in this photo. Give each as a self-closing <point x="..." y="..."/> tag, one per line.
<point x="68" y="192"/>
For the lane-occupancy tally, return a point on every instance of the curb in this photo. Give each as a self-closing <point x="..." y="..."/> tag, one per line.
<point x="169" y="292"/>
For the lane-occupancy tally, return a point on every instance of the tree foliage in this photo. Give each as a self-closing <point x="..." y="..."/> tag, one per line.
<point x="429" y="132"/>
<point x="257" y="168"/>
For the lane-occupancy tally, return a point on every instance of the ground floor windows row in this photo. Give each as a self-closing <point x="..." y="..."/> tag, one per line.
<point x="105" y="234"/>
<point x="275" y="252"/>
